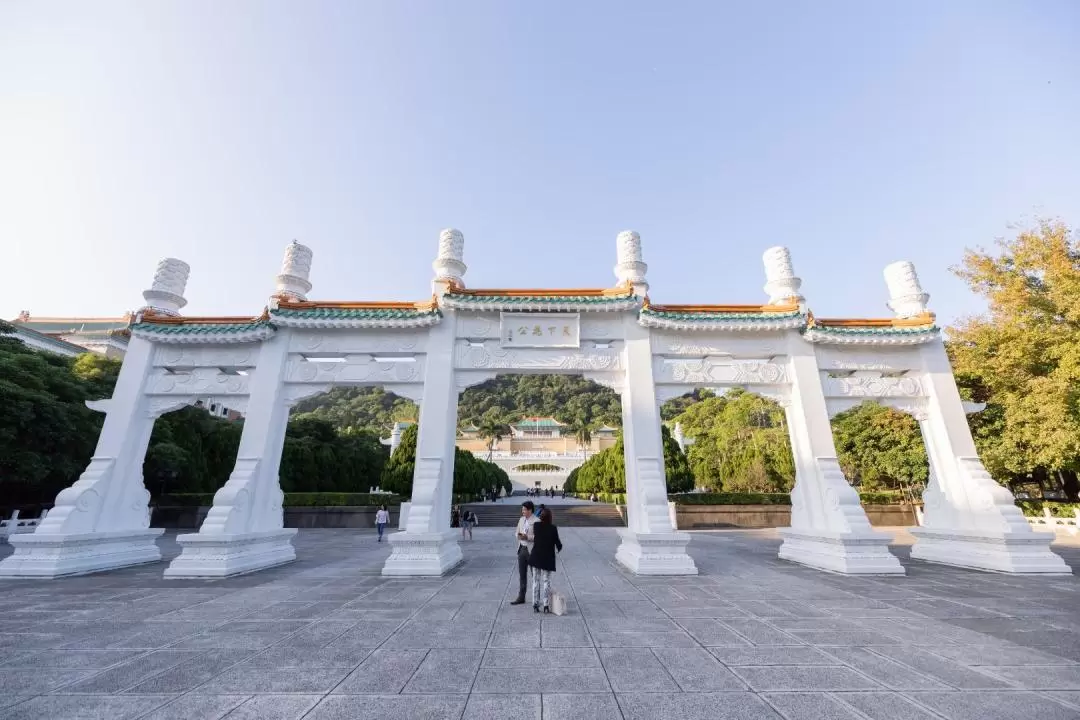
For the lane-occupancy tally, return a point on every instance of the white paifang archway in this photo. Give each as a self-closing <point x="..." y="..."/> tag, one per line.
<point x="431" y="351"/>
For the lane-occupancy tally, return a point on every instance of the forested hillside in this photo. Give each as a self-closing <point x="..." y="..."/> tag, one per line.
<point x="569" y="398"/>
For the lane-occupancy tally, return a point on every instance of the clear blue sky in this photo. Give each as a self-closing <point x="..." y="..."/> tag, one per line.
<point x="857" y="133"/>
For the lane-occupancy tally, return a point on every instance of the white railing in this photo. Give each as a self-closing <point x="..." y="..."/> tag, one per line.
<point x="528" y="454"/>
<point x="1049" y="522"/>
<point x="17" y="526"/>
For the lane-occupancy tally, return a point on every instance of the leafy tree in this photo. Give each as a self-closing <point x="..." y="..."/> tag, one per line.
<point x="568" y="398"/>
<point x="98" y="372"/>
<point x="676" y="468"/>
<point x="677" y="406"/>
<point x="582" y="434"/>
<point x="47" y="434"/>
<point x="492" y="431"/>
<point x="1022" y="357"/>
<point x="360" y="408"/>
<point x="740" y="444"/>
<point x="880" y="448"/>
<point x="605" y="472"/>
<point x="397" y="476"/>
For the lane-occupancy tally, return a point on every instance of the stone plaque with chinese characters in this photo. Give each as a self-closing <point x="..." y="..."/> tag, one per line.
<point x="540" y="330"/>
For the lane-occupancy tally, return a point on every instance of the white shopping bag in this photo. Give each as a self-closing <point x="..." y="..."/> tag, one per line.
<point x="558" y="603"/>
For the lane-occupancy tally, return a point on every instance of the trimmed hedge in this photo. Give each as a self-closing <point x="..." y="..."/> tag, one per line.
<point x="291" y="500"/>
<point x="604" y="497"/>
<point x="733" y="498"/>
<point x="1034" y="508"/>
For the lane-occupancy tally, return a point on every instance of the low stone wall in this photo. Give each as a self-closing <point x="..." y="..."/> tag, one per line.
<point x="190" y="518"/>
<point x="703" y="517"/>
<point x="690" y="517"/>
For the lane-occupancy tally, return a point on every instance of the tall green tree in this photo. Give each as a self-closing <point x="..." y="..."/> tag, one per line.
<point x="397" y="475"/>
<point x="605" y="472"/>
<point x="47" y="434"/>
<point x="1022" y="356"/>
<point x="740" y="444"/>
<point x="675" y="407"/>
<point x="492" y="431"/>
<point x="880" y="448"/>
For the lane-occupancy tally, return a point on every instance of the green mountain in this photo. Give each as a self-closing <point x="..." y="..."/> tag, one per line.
<point x="507" y="398"/>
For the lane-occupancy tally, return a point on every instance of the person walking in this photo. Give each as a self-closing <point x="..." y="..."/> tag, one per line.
<point x="524" y="547"/>
<point x="382" y="517"/>
<point x="542" y="559"/>
<point x="468" y="519"/>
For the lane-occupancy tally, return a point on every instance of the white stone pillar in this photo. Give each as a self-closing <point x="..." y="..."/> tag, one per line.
<point x="245" y="530"/>
<point x="428" y="546"/>
<point x="650" y="544"/>
<point x="102" y="521"/>
<point x="969" y="520"/>
<point x="829" y="528"/>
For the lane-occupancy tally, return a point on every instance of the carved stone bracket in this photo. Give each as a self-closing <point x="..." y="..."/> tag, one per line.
<point x="470" y="378"/>
<point x="292" y="394"/>
<point x="158" y="406"/>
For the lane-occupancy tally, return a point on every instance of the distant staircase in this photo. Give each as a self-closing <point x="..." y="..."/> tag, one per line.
<point x="592" y="515"/>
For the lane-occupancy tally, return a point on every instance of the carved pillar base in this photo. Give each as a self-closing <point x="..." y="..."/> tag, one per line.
<point x="216" y="556"/>
<point x="1008" y="552"/>
<point x="423" y="553"/>
<point x="861" y="553"/>
<point x="655" y="553"/>
<point x="55" y="555"/>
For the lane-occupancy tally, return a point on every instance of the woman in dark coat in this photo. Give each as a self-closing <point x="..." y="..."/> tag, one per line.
<point x="542" y="559"/>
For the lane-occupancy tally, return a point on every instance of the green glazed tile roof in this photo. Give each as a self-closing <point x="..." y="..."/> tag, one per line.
<point x="200" y="328"/>
<point x="543" y="299"/>
<point x="538" y="422"/>
<point x="921" y="330"/>
<point x="337" y="313"/>
<point x="722" y="316"/>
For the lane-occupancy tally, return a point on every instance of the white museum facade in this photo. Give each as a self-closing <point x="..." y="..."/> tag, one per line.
<point x="433" y="350"/>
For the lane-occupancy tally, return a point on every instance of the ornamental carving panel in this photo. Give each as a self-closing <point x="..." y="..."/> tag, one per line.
<point x="720" y="371"/>
<point x="490" y="356"/>
<point x="765" y="373"/>
<point x="351" y="341"/>
<point x="181" y="356"/>
<point x="840" y="357"/>
<point x="871" y="386"/>
<point x="355" y="369"/>
<point x="478" y="326"/>
<point x="671" y="344"/>
<point x="601" y="328"/>
<point x="198" y="381"/>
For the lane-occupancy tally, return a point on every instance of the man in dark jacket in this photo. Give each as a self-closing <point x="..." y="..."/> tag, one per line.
<point x="524" y="546"/>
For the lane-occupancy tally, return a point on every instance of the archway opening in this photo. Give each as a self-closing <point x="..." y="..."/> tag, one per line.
<point x="540" y="428"/>
<point x="736" y="442"/>
<point x="882" y="455"/>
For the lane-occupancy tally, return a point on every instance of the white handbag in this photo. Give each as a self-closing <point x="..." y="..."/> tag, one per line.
<point x="558" y="603"/>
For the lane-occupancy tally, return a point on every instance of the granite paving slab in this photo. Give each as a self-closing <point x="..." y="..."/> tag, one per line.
<point x="749" y="637"/>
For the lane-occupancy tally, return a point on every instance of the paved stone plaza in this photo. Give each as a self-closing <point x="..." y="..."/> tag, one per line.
<point x="751" y="637"/>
